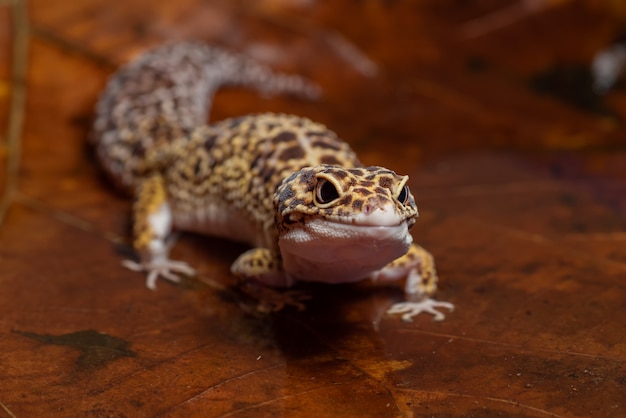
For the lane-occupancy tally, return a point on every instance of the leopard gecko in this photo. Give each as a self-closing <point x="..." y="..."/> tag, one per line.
<point x="284" y="184"/>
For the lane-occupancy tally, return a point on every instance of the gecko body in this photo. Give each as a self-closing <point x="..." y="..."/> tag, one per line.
<point x="284" y="184"/>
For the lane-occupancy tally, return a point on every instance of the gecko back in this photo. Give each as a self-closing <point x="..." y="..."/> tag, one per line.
<point x="162" y="96"/>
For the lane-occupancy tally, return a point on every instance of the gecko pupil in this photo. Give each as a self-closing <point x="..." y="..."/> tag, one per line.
<point x="403" y="197"/>
<point x="326" y="192"/>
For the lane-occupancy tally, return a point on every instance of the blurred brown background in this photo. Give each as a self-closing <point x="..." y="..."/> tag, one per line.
<point x="517" y="164"/>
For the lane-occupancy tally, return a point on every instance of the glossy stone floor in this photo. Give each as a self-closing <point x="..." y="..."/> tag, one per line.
<point x="518" y="167"/>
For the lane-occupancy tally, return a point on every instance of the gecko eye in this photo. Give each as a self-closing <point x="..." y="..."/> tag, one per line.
<point x="325" y="193"/>
<point x="403" y="197"/>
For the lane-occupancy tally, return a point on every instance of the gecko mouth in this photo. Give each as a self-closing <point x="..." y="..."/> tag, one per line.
<point x="324" y="239"/>
<point x="356" y="230"/>
<point x="333" y="252"/>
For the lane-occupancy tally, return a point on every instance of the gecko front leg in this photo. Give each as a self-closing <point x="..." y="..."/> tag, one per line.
<point x="418" y="266"/>
<point x="260" y="271"/>
<point x="261" y="265"/>
<point x="152" y="226"/>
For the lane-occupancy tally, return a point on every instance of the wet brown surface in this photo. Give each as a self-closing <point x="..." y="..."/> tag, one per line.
<point x="519" y="171"/>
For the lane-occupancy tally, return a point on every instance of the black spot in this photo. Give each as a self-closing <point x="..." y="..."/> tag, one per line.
<point x="380" y="190"/>
<point x="291" y="177"/>
<point x="254" y="162"/>
<point x="266" y="174"/>
<point x="235" y="122"/>
<point x="284" y="136"/>
<point x="212" y="163"/>
<point x="287" y="194"/>
<point x="291" y="153"/>
<point x="325" y="144"/>
<point x="295" y="203"/>
<point x="357" y="204"/>
<point x="307" y="178"/>
<point x="184" y="175"/>
<point x="209" y="141"/>
<point x="356" y="171"/>
<point x="153" y="129"/>
<point x="315" y="133"/>
<point x="197" y="167"/>
<point x="341" y="174"/>
<point x="385" y="182"/>
<point x="363" y="192"/>
<point x="330" y="160"/>
<point x="367" y="183"/>
<point x="137" y="149"/>
<point x="346" y="200"/>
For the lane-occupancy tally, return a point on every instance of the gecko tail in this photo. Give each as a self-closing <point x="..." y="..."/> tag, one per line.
<point x="223" y="68"/>
<point x="163" y="95"/>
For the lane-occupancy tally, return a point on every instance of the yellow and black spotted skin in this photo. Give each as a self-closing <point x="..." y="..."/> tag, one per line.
<point x="284" y="184"/>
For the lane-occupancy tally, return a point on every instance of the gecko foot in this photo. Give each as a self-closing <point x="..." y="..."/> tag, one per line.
<point x="168" y="269"/>
<point x="411" y="309"/>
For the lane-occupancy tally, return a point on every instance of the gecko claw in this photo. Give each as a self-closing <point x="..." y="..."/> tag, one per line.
<point x="411" y="309"/>
<point x="167" y="269"/>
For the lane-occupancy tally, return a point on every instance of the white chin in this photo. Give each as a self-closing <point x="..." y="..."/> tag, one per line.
<point x="331" y="252"/>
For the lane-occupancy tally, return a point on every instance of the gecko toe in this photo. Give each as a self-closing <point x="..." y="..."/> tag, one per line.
<point x="412" y="309"/>
<point x="166" y="269"/>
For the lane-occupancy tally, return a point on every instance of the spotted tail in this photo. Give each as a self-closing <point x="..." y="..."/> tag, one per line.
<point x="163" y="95"/>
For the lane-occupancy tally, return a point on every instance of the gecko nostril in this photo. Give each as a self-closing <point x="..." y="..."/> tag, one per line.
<point x="370" y="208"/>
<point x="372" y="205"/>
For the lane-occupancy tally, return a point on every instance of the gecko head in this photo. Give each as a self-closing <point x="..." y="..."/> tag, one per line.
<point x="338" y="225"/>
